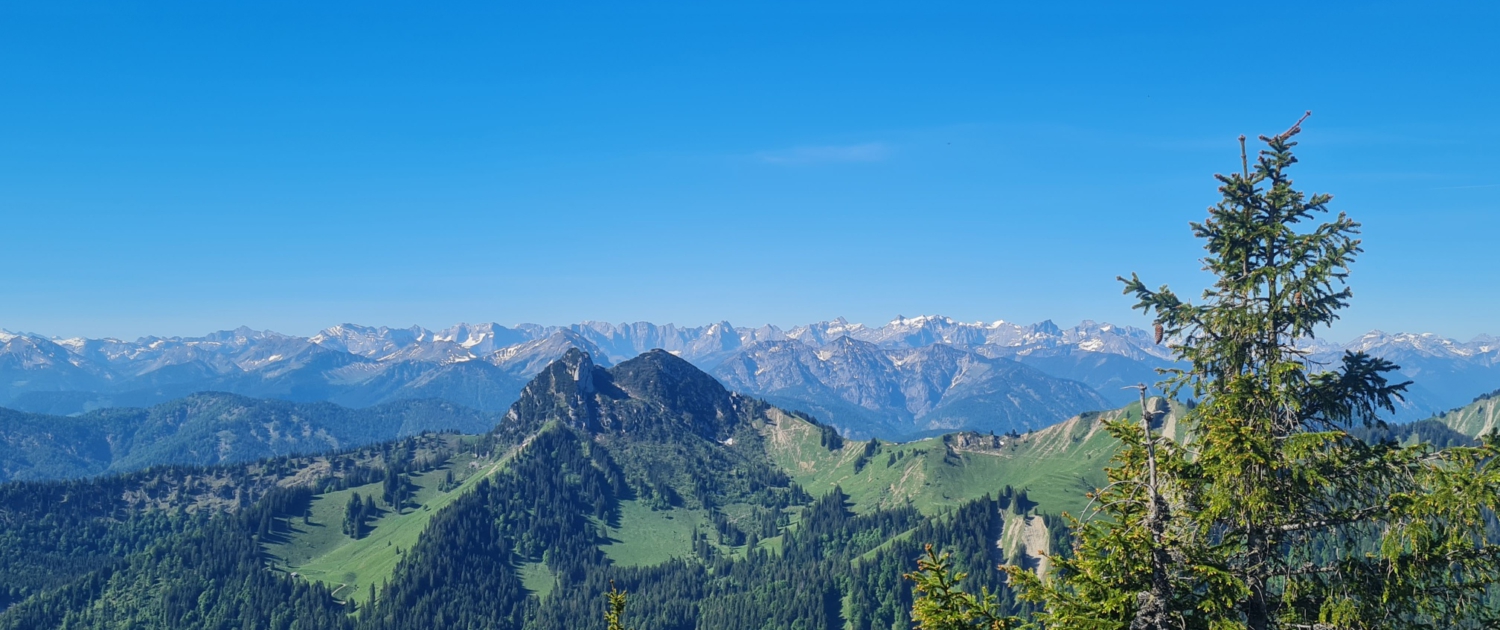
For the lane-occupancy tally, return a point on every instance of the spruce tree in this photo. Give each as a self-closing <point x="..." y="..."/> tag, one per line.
<point x="941" y="604"/>
<point x="1269" y="513"/>
<point x="354" y="517"/>
<point x="614" y="617"/>
<point x="1275" y="516"/>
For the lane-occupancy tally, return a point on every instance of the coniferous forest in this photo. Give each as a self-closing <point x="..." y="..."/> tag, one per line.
<point x="80" y="556"/>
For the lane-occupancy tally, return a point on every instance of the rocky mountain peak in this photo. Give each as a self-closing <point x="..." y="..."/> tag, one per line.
<point x="1046" y="327"/>
<point x="655" y="394"/>
<point x="663" y="378"/>
<point x="563" y="391"/>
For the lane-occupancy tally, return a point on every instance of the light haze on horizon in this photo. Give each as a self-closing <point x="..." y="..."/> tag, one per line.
<point x="173" y="169"/>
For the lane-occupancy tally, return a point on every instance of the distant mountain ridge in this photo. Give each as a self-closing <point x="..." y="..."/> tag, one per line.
<point x="705" y="346"/>
<point x="484" y="366"/>
<point x="209" y="428"/>
<point x="864" y="389"/>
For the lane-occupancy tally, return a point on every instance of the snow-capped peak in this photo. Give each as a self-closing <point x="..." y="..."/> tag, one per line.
<point x="919" y="321"/>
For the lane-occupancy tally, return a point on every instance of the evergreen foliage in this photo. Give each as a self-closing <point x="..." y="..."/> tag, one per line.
<point x="942" y="605"/>
<point x="142" y="564"/>
<point x="1273" y="514"/>
<point x="395" y="489"/>
<point x="870" y="448"/>
<point x="1430" y="432"/>
<point x="58" y="535"/>
<point x="207" y="428"/>
<point x="357" y="516"/>
<point x="828" y="436"/>
<point x="209" y="576"/>
<point x="614" y="618"/>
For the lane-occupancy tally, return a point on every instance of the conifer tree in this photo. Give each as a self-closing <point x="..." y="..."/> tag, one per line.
<point x="942" y="605"/>
<point x="1269" y="514"/>
<point x="1276" y="516"/>
<point x="614" y="618"/>
<point x="354" y="516"/>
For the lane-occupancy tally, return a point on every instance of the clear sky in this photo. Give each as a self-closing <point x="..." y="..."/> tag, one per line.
<point x="181" y="168"/>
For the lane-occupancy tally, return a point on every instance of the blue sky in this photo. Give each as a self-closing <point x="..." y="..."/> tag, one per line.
<point x="180" y="168"/>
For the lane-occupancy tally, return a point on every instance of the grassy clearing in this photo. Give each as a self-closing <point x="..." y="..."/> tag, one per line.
<point x="647" y="537"/>
<point x="320" y="551"/>
<point x="537" y="578"/>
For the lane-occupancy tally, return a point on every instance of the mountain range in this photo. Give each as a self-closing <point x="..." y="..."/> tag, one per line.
<point x="714" y="509"/>
<point x="910" y="377"/>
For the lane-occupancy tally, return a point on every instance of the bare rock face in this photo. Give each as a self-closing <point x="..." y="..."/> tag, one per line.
<point x="655" y="393"/>
<point x="972" y="441"/>
<point x="873" y="391"/>
<point x="564" y="391"/>
<point x="1157" y="409"/>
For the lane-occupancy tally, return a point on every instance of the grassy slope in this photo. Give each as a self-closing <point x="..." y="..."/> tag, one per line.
<point x="645" y="537"/>
<point x="1474" y="419"/>
<point x="1057" y="465"/>
<point x="320" y="551"/>
<point x="537" y="578"/>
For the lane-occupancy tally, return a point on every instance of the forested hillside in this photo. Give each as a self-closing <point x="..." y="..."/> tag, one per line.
<point x="649" y="474"/>
<point x="712" y="509"/>
<point x="208" y="428"/>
